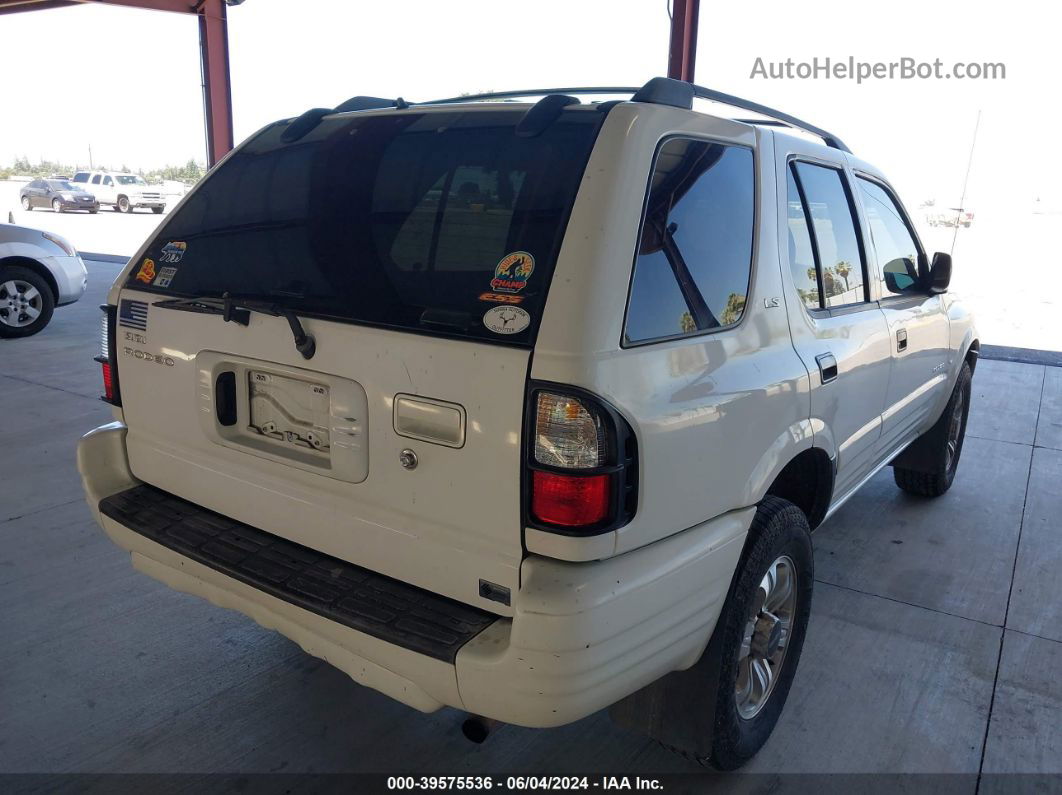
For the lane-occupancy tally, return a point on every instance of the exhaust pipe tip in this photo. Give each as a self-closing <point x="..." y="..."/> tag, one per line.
<point x="476" y="728"/>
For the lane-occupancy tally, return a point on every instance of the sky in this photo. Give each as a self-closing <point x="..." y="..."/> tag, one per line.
<point x="126" y="82"/>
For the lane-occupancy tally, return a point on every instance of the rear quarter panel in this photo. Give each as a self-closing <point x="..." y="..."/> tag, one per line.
<point x="716" y="415"/>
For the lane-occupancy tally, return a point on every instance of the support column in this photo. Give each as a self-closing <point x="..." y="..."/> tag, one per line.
<point x="683" y="52"/>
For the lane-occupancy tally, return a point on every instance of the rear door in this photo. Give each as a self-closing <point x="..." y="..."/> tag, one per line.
<point x="108" y="188"/>
<point x="918" y="323"/>
<point x="33" y="192"/>
<point x="416" y="248"/>
<point x="838" y="330"/>
<point x="95" y="187"/>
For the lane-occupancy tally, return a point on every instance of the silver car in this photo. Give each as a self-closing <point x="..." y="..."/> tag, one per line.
<point x="38" y="272"/>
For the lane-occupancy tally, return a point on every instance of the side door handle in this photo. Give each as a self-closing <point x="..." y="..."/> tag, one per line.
<point x="901" y="339"/>
<point x="827" y="367"/>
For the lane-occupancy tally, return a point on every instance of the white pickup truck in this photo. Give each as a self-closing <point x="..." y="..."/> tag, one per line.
<point x="123" y="192"/>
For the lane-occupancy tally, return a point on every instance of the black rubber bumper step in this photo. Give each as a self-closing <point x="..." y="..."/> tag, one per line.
<point x="380" y="606"/>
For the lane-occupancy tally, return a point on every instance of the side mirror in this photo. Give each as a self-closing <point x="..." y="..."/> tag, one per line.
<point x="940" y="273"/>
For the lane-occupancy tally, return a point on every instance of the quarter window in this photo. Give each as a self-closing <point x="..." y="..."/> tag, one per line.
<point x="895" y="246"/>
<point x="695" y="252"/>
<point x="839" y="257"/>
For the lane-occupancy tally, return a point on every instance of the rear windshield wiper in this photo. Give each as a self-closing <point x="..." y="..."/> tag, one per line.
<point x="238" y="310"/>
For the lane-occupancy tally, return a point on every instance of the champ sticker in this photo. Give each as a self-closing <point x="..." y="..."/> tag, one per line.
<point x="173" y="251"/>
<point x="506" y="319"/>
<point x="512" y="272"/>
<point x="147" y="271"/>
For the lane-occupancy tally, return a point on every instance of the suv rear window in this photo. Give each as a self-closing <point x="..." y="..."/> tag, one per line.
<point x="417" y="221"/>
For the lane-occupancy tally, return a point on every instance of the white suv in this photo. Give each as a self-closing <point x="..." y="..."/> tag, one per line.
<point x="528" y="409"/>
<point x="123" y="192"/>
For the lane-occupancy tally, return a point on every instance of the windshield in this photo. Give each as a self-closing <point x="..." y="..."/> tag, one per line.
<point x="129" y="179"/>
<point x="60" y="184"/>
<point x="442" y="222"/>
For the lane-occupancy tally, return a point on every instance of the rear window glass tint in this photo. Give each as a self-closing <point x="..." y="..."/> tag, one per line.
<point x="417" y="221"/>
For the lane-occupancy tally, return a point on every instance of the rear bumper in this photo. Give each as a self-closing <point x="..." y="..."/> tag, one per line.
<point x="583" y="635"/>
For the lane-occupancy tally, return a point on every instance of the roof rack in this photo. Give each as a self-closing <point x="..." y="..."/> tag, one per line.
<point x="534" y="92"/>
<point x="666" y="91"/>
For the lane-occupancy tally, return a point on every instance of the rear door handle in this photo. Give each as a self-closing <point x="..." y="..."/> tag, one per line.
<point x="901" y="339"/>
<point x="827" y="367"/>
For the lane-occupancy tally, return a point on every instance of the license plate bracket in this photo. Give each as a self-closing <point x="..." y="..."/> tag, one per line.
<point x="291" y="410"/>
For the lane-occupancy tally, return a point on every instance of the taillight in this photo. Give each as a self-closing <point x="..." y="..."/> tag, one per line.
<point x="581" y="462"/>
<point x="570" y="500"/>
<point x="107" y="356"/>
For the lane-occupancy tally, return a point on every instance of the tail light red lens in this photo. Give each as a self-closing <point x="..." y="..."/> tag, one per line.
<point x="108" y="382"/>
<point x="570" y="500"/>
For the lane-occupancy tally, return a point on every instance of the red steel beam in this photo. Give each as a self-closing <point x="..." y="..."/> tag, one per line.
<point x="682" y="54"/>
<point x="217" y="89"/>
<point x="214" y="55"/>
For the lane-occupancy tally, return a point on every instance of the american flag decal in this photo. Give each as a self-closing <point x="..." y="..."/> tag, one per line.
<point x="133" y="314"/>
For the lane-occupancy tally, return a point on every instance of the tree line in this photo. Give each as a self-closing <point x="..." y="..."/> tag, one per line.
<point x="188" y="173"/>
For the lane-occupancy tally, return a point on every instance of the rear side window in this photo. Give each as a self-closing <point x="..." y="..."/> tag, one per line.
<point x="443" y="222"/>
<point x="801" y="249"/>
<point x="95" y="179"/>
<point x="694" y="256"/>
<point x="894" y="244"/>
<point x="839" y="256"/>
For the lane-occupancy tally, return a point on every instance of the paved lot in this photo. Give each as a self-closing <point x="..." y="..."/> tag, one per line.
<point x="935" y="643"/>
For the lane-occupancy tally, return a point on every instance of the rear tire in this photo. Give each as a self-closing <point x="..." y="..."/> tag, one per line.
<point x="93" y="212"/>
<point x="17" y="283"/>
<point x="27" y="205"/>
<point x="944" y="443"/>
<point x="763" y="631"/>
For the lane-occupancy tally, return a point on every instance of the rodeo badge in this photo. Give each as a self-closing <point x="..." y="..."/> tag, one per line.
<point x="512" y="272"/>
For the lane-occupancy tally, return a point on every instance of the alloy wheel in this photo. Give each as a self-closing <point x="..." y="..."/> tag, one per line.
<point x="954" y="430"/>
<point x="20" y="303"/>
<point x="766" y="638"/>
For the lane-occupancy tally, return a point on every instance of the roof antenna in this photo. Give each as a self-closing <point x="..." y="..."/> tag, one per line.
<point x="965" y="182"/>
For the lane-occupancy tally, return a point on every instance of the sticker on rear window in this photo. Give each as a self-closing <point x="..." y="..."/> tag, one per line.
<point x="147" y="271"/>
<point x="499" y="298"/>
<point x="165" y="277"/>
<point x="173" y="251"/>
<point x="506" y="319"/>
<point x="512" y="272"/>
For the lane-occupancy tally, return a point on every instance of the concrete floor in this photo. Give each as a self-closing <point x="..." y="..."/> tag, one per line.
<point x="935" y="643"/>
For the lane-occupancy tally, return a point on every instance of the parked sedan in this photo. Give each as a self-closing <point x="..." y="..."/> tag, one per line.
<point x="38" y="272"/>
<point x="58" y="194"/>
